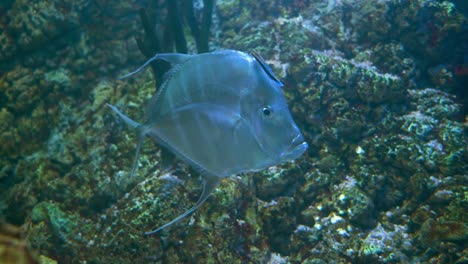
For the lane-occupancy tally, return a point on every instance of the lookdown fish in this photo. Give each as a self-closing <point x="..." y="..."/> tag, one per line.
<point x="221" y="112"/>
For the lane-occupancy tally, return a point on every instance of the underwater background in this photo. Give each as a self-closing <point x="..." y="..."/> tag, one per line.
<point x="377" y="87"/>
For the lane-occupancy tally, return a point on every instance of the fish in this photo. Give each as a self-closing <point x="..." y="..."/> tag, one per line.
<point x="221" y="112"/>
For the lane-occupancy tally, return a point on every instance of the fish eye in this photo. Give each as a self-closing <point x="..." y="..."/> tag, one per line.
<point x="266" y="111"/>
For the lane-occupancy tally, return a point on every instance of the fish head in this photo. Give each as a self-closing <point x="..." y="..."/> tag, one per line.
<point x="270" y="120"/>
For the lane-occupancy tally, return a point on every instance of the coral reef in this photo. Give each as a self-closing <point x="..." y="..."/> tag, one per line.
<point x="374" y="88"/>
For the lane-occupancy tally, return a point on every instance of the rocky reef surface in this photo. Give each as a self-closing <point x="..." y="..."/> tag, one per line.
<point x="377" y="87"/>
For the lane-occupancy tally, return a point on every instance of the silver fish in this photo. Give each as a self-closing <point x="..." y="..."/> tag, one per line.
<point x="223" y="113"/>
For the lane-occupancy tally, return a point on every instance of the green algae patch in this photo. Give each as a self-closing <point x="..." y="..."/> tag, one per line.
<point x="62" y="224"/>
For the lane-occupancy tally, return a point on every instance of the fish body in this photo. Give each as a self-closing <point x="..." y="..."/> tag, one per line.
<point x="221" y="112"/>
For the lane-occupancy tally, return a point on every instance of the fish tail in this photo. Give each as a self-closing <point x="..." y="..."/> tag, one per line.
<point x="137" y="154"/>
<point x="140" y="132"/>
<point x="125" y="118"/>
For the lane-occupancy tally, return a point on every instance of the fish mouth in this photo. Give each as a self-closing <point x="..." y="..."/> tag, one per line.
<point x="297" y="147"/>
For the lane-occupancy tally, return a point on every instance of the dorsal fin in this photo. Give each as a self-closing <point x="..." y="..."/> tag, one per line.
<point x="172" y="58"/>
<point x="209" y="185"/>
<point x="266" y="68"/>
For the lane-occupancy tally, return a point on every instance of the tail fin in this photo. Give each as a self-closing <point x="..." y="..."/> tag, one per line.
<point x="141" y="135"/>
<point x="125" y="118"/>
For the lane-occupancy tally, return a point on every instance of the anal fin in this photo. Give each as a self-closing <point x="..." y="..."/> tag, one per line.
<point x="209" y="185"/>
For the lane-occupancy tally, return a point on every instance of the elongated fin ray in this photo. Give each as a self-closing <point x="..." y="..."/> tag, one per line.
<point x="209" y="185"/>
<point x="173" y="58"/>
